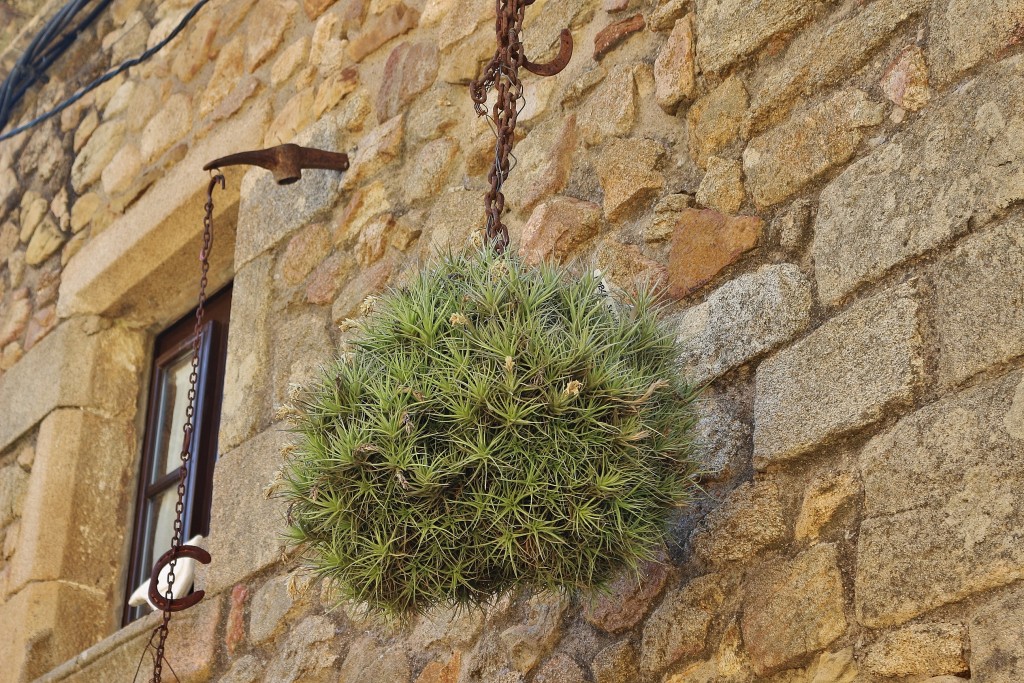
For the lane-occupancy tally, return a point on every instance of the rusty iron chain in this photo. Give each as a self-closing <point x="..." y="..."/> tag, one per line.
<point x="168" y="604"/>
<point x="502" y="75"/>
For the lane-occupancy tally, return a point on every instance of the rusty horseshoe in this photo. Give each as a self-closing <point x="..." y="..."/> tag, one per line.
<point x="558" y="63"/>
<point x="176" y="605"/>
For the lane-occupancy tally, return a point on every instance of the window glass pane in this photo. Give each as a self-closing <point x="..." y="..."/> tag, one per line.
<point x="163" y="523"/>
<point x="173" y="403"/>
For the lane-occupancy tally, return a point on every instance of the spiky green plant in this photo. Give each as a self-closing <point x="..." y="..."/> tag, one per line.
<point x="495" y="425"/>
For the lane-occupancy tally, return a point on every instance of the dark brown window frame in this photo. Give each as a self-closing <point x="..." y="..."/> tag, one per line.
<point x="170" y="346"/>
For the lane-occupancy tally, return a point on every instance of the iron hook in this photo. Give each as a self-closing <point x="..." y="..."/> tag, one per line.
<point x="286" y="162"/>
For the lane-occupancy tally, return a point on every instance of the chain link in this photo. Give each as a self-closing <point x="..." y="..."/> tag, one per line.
<point x="502" y="74"/>
<point x="186" y="448"/>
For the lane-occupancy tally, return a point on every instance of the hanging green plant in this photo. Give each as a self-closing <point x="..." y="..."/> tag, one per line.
<point x="495" y="425"/>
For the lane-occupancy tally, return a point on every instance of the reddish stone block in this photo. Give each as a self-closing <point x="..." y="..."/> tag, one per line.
<point x="381" y="28"/>
<point x="411" y="68"/>
<point x="627" y="600"/>
<point x="324" y="282"/>
<point x="235" y="629"/>
<point x="613" y="34"/>
<point x="704" y="242"/>
<point x="437" y="672"/>
<point x="557" y="227"/>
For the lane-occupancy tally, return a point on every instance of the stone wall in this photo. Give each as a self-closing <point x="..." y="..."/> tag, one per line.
<point x="829" y="191"/>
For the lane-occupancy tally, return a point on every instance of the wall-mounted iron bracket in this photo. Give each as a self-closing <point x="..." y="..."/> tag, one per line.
<point x="284" y="161"/>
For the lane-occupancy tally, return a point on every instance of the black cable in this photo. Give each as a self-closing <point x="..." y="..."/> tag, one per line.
<point x="42" y="51"/>
<point x="121" y="68"/>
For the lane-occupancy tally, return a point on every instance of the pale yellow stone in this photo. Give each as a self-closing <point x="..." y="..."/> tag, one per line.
<point x="227" y="71"/>
<point x="33" y="209"/>
<point x="611" y="111"/>
<point x="96" y="154"/>
<point x="122" y="171"/>
<point x="83" y="210"/>
<point x="919" y="649"/>
<point x="824" y="498"/>
<point x="45" y="242"/>
<point x="120" y="100"/>
<point x="268" y="23"/>
<point x="333" y="89"/>
<point x="170" y="125"/>
<point x="296" y="114"/>
<point x="288" y="61"/>
<point x="722" y="186"/>
<point x="377" y="149"/>
<point x="627" y="170"/>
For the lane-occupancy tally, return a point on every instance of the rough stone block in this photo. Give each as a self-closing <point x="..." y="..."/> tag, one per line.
<point x="410" y="69"/>
<point x="527" y="642"/>
<point x="246" y="527"/>
<point x="905" y="81"/>
<point x="13" y="481"/>
<point x="728" y="665"/>
<point x="267" y="212"/>
<point x="628" y="599"/>
<point x="703" y="243"/>
<point x="674" y="78"/>
<point x="793" y="609"/>
<point x="722" y="186"/>
<point x="815" y="139"/>
<point x="714" y="121"/>
<point x="731" y="29"/>
<point x="311" y="649"/>
<point x="845" y="375"/>
<point x="957" y="167"/>
<point x="678" y="628"/>
<point x="46" y="623"/>
<point x="377" y="149"/>
<point x="628" y="172"/>
<point x="744" y="319"/>
<point x="544" y="160"/>
<point x="979" y="293"/>
<point x="827" y="51"/>
<point x="997" y="639"/>
<point x="77" y="486"/>
<point x="824" y="498"/>
<point x="85" y="366"/>
<point x="557" y="227"/>
<point x="268" y="607"/>
<point x="748" y="521"/>
<point x="611" y="110"/>
<point x="192" y="643"/>
<point x="943" y="504"/>
<point x="966" y="32"/>
<point x="617" y="663"/>
<point x="246" y="406"/>
<point x="918" y="650"/>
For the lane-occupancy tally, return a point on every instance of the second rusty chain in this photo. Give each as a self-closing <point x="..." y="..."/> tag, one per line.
<point x="502" y="74"/>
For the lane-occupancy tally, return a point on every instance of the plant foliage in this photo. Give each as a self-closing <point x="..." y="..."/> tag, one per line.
<point x="495" y="425"/>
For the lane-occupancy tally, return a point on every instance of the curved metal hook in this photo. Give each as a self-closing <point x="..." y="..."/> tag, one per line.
<point x="179" y="604"/>
<point x="217" y="179"/>
<point x="558" y="63"/>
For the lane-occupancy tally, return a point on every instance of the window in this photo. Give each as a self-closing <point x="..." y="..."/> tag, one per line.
<point x="162" y="441"/>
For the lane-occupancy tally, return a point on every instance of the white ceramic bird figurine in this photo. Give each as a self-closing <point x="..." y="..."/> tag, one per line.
<point x="184" y="576"/>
